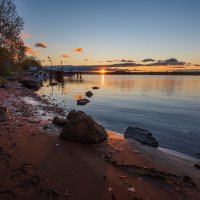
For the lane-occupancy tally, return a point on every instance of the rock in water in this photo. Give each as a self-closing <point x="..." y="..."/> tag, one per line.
<point x="141" y="135"/>
<point x="3" y="114"/>
<point x="31" y="83"/>
<point x="95" y="88"/>
<point x="89" y="94"/>
<point x="81" y="127"/>
<point x="82" y="101"/>
<point x="59" y="121"/>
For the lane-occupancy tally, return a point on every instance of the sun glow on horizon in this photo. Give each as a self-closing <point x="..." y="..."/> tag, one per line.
<point x="102" y="71"/>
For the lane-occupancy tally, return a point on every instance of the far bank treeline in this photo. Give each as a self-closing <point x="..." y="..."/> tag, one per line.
<point x="12" y="48"/>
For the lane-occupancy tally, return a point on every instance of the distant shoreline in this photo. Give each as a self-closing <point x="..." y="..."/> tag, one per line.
<point x="92" y="72"/>
<point x="145" y="73"/>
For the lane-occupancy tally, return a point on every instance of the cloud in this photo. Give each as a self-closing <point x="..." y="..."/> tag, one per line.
<point x="110" y="61"/>
<point x="126" y="61"/>
<point x="41" y="44"/>
<point x="148" y="60"/>
<point x="197" y="65"/>
<point x="170" y="61"/>
<point x="25" y="36"/>
<point x="126" y="64"/>
<point x="131" y="63"/>
<point x="121" y="61"/>
<point x="78" y="50"/>
<point x="178" y="67"/>
<point x="65" y="56"/>
<point x="30" y="51"/>
<point x="86" y="59"/>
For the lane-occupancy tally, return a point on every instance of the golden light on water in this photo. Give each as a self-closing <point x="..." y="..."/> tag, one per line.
<point x="102" y="79"/>
<point x="78" y="96"/>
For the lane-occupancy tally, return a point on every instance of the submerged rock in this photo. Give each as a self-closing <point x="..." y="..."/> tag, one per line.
<point x="89" y="94"/>
<point x="59" y="121"/>
<point x="82" y="101"/>
<point x="141" y="135"/>
<point x="95" y="88"/>
<point x="81" y="127"/>
<point x="3" y="114"/>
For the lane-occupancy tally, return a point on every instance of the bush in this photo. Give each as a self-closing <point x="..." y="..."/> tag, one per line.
<point x="2" y="81"/>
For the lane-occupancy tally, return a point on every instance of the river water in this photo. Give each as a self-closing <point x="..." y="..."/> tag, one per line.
<point x="168" y="106"/>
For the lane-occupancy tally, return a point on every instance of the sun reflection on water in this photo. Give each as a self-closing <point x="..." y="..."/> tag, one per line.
<point x="102" y="79"/>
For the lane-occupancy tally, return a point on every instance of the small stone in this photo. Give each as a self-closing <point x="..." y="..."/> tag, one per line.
<point x="138" y="152"/>
<point x="45" y="127"/>
<point x="131" y="189"/>
<point x="197" y="165"/>
<point x="59" y="121"/>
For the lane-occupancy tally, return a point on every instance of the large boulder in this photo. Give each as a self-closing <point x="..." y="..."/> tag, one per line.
<point x="31" y="83"/>
<point x="141" y="135"/>
<point x="3" y="114"/>
<point x="59" y="121"/>
<point x="81" y="127"/>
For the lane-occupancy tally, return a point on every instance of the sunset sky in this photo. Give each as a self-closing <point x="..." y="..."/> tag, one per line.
<point x="114" y="32"/>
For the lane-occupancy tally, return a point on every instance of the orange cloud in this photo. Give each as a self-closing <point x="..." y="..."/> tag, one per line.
<point x="65" y="56"/>
<point x="78" y="50"/>
<point x="41" y="44"/>
<point x="30" y="51"/>
<point x="25" y="35"/>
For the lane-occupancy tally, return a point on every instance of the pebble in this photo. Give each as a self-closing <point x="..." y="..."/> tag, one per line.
<point x="131" y="189"/>
<point x="197" y="165"/>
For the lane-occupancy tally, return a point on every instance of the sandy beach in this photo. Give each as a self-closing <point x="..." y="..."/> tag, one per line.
<point x="36" y="164"/>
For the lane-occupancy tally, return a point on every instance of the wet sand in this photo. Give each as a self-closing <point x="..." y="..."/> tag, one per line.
<point x="35" y="163"/>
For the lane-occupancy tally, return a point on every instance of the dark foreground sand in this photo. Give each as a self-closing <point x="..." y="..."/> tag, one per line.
<point x="35" y="164"/>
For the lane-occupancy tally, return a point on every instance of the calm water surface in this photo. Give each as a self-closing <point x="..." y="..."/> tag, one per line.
<point x="168" y="106"/>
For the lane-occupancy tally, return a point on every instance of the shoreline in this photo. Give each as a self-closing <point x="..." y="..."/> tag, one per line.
<point x="162" y="149"/>
<point x="115" y="169"/>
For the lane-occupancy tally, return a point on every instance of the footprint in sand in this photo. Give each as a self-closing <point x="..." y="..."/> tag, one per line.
<point x="4" y="156"/>
<point x="7" y="195"/>
<point x="25" y="178"/>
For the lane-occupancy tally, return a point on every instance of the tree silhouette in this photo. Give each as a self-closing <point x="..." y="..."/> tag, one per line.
<point x="30" y="61"/>
<point x="11" y="43"/>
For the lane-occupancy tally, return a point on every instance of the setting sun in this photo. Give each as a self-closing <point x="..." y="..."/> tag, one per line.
<point x="102" y="71"/>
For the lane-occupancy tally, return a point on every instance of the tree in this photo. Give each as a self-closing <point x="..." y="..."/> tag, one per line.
<point x="11" y="25"/>
<point x="30" y="61"/>
<point x="3" y="53"/>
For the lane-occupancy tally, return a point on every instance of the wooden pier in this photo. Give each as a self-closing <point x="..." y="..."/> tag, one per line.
<point x="60" y="74"/>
